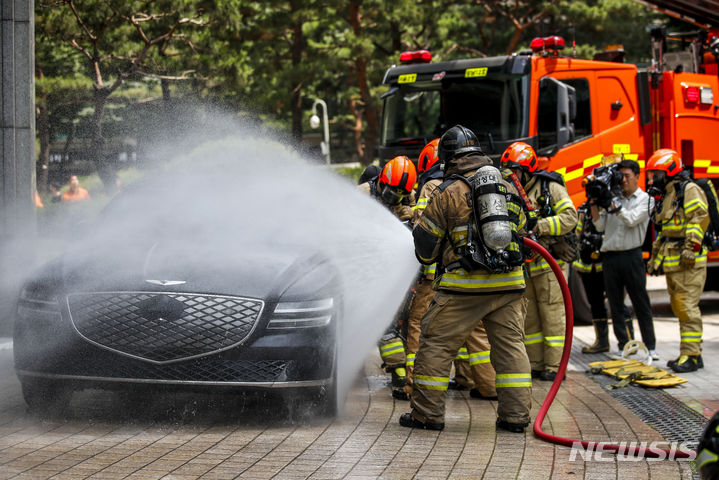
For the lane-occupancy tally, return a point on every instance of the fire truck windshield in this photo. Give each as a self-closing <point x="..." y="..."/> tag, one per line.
<point x="495" y="107"/>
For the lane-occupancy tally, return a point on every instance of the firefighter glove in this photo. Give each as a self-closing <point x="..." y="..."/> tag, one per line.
<point x="687" y="259"/>
<point x="650" y="267"/>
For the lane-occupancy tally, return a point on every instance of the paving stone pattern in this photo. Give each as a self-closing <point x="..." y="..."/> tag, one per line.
<point x="107" y="435"/>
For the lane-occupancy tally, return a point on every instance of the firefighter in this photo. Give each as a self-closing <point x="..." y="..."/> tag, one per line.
<point x="707" y="461"/>
<point x="394" y="189"/>
<point x="545" y="324"/>
<point x="430" y="177"/>
<point x="681" y="217"/>
<point x="589" y="268"/>
<point x="448" y="233"/>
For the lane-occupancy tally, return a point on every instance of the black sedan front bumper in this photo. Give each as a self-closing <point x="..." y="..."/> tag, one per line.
<point x="55" y="345"/>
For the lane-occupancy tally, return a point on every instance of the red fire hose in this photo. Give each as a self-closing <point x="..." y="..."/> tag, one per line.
<point x="604" y="447"/>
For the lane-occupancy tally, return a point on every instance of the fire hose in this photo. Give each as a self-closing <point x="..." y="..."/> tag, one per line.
<point x="604" y="447"/>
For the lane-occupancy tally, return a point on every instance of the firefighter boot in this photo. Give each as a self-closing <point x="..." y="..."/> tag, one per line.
<point x="685" y="363"/>
<point x="475" y="393"/>
<point x="406" y="420"/>
<point x="511" y="427"/>
<point x="700" y="361"/>
<point x="601" y="344"/>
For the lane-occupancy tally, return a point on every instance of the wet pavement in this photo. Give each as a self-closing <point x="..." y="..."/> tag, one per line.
<point x="107" y="435"/>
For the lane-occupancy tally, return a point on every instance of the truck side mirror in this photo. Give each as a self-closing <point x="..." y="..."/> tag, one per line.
<point x="556" y="112"/>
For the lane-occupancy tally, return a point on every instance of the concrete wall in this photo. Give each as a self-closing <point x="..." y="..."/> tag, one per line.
<point x="17" y="147"/>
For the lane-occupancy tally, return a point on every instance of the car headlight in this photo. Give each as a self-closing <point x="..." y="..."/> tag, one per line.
<point x="37" y="303"/>
<point x="312" y="313"/>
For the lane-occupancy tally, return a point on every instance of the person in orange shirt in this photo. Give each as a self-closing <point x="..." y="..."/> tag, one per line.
<point x="75" y="193"/>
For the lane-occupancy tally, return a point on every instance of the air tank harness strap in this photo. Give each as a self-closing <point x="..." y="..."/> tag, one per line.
<point x="491" y="188"/>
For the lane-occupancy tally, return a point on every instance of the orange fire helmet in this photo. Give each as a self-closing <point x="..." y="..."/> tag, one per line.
<point x="665" y="160"/>
<point x="428" y="156"/>
<point x="520" y="154"/>
<point x="399" y="173"/>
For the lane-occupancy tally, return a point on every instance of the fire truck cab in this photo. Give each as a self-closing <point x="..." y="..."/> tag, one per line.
<point x="572" y="111"/>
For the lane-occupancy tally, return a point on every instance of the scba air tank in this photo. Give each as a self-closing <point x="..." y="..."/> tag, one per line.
<point x="492" y="208"/>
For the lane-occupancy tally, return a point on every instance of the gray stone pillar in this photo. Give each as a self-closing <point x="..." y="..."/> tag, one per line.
<point x="17" y="146"/>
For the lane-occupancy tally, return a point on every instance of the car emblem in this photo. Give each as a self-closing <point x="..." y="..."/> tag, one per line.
<point x="166" y="283"/>
<point x="161" y="308"/>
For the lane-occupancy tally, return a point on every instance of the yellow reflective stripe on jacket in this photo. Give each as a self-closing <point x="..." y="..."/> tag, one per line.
<point x="554" y="226"/>
<point x="691" y="337"/>
<point x="562" y="205"/>
<point x="692" y="205"/>
<point x="431" y="226"/>
<point x="391" y="348"/>
<point x="482" y="280"/>
<point x="672" y="228"/>
<point x="424" y="382"/>
<point x="459" y="235"/>
<point x="504" y="380"/>
<point x="533" y="338"/>
<point x="671" y="260"/>
<point x="582" y="267"/>
<point x="430" y="269"/>
<point x="557" y="341"/>
<point x="674" y="261"/>
<point x="410" y="359"/>
<point x="696" y="229"/>
<point x="540" y="264"/>
<point x="479" y="357"/>
<point x="462" y="354"/>
<point x="701" y="257"/>
<point x="421" y="204"/>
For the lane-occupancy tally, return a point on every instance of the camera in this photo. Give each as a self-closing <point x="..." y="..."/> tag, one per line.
<point x="604" y="184"/>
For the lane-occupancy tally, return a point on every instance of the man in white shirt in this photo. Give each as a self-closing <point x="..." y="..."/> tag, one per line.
<point x="624" y="231"/>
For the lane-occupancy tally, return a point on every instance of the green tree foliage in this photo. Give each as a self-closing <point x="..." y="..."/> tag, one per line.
<point x="271" y="59"/>
<point x="118" y="41"/>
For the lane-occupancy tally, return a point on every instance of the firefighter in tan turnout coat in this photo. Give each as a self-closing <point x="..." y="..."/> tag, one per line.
<point x="681" y="216"/>
<point x="468" y="296"/>
<point x="544" y="325"/>
<point x="394" y="189"/>
<point x="473" y="369"/>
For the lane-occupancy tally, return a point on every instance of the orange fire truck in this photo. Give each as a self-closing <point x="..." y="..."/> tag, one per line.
<point x="571" y="110"/>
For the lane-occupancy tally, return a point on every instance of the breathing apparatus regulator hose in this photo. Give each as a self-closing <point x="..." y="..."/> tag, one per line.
<point x="604" y="447"/>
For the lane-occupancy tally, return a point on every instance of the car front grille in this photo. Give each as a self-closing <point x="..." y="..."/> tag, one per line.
<point x="163" y="327"/>
<point x="207" y="369"/>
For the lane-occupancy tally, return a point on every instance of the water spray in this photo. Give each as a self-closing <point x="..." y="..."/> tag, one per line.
<point x="568" y="442"/>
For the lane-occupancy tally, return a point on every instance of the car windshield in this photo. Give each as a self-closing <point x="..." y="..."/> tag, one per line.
<point x="496" y="105"/>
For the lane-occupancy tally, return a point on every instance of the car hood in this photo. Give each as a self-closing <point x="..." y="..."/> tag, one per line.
<point x="258" y="271"/>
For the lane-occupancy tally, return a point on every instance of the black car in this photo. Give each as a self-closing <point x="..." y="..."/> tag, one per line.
<point x="194" y="301"/>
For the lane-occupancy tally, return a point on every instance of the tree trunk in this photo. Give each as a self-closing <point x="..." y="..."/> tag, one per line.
<point x="296" y="54"/>
<point x="43" y="133"/>
<point x="518" y="31"/>
<point x="370" y="113"/>
<point x="105" y="170"/>
<point x="357" y="129"/>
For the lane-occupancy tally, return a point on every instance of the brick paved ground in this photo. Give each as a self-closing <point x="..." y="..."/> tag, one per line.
<point x="104" y="437"/>
<point x="113" y="436"/>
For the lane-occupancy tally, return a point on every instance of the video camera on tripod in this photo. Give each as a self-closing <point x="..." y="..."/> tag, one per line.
<point x="604" y="185"/>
